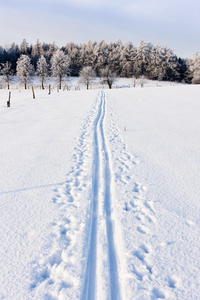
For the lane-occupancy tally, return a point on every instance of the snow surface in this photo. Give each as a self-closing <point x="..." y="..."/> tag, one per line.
<point x="92" y="211"/>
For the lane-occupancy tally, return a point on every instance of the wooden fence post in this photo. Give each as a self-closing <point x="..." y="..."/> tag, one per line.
<point x="33" y="92"/>
<point x="8" y="102"/>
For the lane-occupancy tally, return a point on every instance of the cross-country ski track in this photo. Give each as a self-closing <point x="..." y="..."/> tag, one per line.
<point x="101" y="191"/>
<point x="86" y="199"/>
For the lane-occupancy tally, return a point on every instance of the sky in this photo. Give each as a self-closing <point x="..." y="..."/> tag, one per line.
<point x="175" y="23"/>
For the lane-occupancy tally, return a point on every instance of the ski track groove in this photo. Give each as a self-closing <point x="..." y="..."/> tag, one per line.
<point x="114" y="281"/>
<point x="90" y="279"/>
<point x="101" y="154"/>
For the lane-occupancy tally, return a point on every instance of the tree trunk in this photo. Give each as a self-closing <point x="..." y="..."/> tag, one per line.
<point x="8" y="81"/>
<point x="60" y="82"/>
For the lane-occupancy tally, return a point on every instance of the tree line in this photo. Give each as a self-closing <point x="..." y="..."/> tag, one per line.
<point x="103" y="59"/>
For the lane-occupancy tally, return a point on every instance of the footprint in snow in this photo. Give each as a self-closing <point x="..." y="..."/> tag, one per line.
<point x="143" y="229"/>
<point x="138" y="187"/>
<point x="174" y="281"/>
<point x="159" y="293"/>
<point x="140" y="272"/>
<point x="142" y="253"/>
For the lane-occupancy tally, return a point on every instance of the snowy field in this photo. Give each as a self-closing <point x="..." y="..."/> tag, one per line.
<point x="72" y="83"/>
<point x="92" y="211"/>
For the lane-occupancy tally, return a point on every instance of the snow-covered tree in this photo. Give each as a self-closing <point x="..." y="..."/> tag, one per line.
<point x="140" y="60"/>
<point x="142" y="80"/>
<point x="73" y="51"/>
<point x="6" y="71"/>
<point x="24" y="69"/>
<point x="108" y="77"/>
<point x="154" y="63"/>
<point x="114" y="56"/>
<point x="87" y="76"/>
<point x="60" y="66"/>
<point x="24" y="47"/>
<point x="36" y="52"/>
<point x="127" y="55"/>
<point x="36" y="49"/>
<point x="169" y="64"/>
<point x="102" y="56"/>
<point x="42" y="69"/>
<point x="52" y="48"/>
<point x="195" y="69"/>
<point x="87" y="54"/>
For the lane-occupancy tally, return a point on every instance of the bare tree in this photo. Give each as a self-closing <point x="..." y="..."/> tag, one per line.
<point x="195" y="69"/>
<point x="24" y="68"/>
<point x="60" y="66"/>
<point x="42" y="69"/>
<point x="6" y="71"/>
<point x="108" y="77"/>
<point x="142" y="80"/>
<point x="87" y="76"/>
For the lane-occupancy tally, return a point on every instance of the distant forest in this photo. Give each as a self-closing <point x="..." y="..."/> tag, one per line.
<point x="125" y="60"/>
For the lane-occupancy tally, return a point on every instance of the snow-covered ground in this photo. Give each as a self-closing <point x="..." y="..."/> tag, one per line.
<point x="72" y="83"/>
<point x="90" y="210"/>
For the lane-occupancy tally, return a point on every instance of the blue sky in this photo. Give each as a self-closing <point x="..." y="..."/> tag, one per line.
<point x="172" y="22"/>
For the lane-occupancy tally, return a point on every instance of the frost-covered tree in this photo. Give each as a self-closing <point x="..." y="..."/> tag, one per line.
<point x="188" y="72"/>
<point x="60" y="66"/>
<point x="24" y="47"/>
<point x="169" y="64"/>
<point x="87" y="76"/>
<point x="6" y="71"/>
<point x="140" y="60"/>
<point x="142" y="80"/>
<point x="183" y="70"/>
<point x="158" y="63"/>
<point x="87" y="54"/>
<point x="42" y="69"/>
<point x="101" y="55"/>
<point x="195" y="69"/>
<point x="52" y="48"/>
<point x="114" y="57"/>
<point x="24" y="69"/>
<point x="73" y="51"/>
<point x="127" y="55"/>
<point x="154" y="63"/>
<point x="13" y="54"/>
<point x="36" y="52"/>
<point x="36" y="49"/>
<point x="108" y="77"/>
